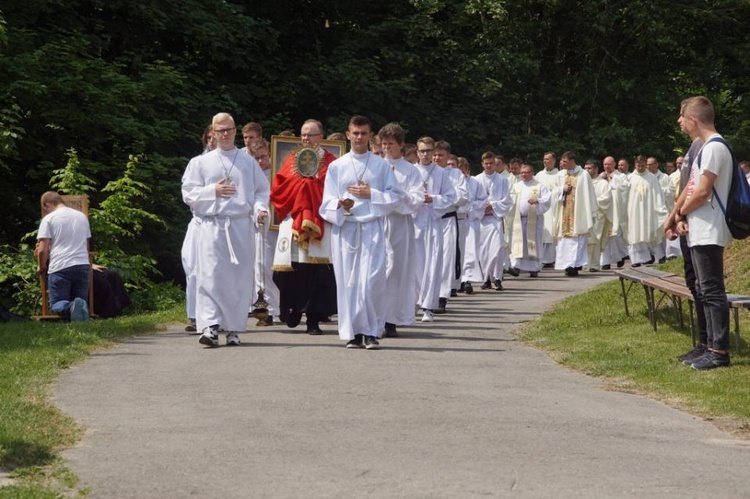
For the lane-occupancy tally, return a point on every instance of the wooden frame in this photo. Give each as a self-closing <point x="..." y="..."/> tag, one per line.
<point x="282" y="147"/>
<point x="80" y="203"/>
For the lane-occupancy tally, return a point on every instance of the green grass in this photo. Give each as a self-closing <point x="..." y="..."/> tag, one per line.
<point x="32" y="430"/>
<point x="592" y="334"/>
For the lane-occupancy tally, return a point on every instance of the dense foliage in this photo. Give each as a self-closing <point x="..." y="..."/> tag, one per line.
<point x="117" y="79"/>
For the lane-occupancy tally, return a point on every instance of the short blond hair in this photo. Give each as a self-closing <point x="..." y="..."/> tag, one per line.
<point x="218" y="118"/>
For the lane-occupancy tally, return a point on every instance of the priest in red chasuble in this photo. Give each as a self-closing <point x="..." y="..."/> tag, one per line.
<point x="302" y="261"/>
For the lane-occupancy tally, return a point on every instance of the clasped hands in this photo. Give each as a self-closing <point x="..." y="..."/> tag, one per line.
<point x="675" y="227"/>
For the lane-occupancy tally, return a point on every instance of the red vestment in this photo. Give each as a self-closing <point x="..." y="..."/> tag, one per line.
<point x="291" y="193"/>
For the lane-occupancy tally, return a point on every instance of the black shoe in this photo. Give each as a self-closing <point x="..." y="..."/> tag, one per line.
<point x="486" y="285"/>
<point x="636" y="265"/>
<point x="357" y="342"/>
<point x="469" y="289"/>
<point x="650" y="261"/>
<point x="498" y="285"/>
<point x="571" y="272"/>
<point x="620" y="263"/>
<point x="663" y="260"/>
<point x="533" y="274"/>
<point x="548" y="266"/>
<point x="593" y="270"/>
<point x="371" y="343"/>
<point x="295" y="317"/>
<point x="462" y="288"/>
<point x="606" y="267"/>
<point x="711" y="360"/>
<point x="514" y="272"/>
<point x="693" y="354"/>
<point x="454" y="293"/>
<point x="442" y="303"/>
<point x="390" y="330"/>
<point x="327" y="318"/>
<point x="314" y="330"/>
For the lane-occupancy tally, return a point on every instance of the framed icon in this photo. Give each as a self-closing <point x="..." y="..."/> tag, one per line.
<point x="307" y="165"/>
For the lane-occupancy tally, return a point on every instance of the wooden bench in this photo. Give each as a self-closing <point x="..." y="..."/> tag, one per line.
<point x="675" y="289"/>
<point x="638" y="276"/>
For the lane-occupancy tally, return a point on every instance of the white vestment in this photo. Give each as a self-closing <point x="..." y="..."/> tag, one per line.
<point x="358" y="242"/>
<point x="189" y="253"/>
<point x="471" y="271"/>
<point x="576" y="219"/>
<point x="449" y="277"/>
<point x="225" y="250"/>
<point x="512" y="179"/>
<point x="266" y="239"/>
<point x="551" y="180"/>
<point x="401" y="246"/>
<point x="668" y="189"/>
<point x="492" y="251"/>
<point x="615" y="249"/>
<point x="602" y="222"/>
<point x="646" y="214"/>
<point x="673" y="248"/>
<point x="428" y="232"/>
<point x="526" y="248"/>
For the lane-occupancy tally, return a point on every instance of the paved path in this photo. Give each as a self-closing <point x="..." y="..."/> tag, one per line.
<point x="453" y="409"/>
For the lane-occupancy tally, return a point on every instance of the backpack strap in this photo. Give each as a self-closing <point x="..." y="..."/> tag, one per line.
<point x="734" y="166"/>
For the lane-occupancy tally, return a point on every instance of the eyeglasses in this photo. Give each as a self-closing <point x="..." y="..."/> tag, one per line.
<point x="424" y="151"/>
<point x="222" y="131"/>
<point x="306" y="135"/>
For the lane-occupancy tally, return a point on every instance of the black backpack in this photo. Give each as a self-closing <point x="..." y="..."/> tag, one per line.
<point x="737" y="210"/>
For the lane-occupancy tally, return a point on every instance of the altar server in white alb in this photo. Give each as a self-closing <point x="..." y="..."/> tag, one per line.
<point x="473" y="211"/>
<point x="492" y="254"/>
<point x="451" y="258"/>
<point x="227" y="192"/>
<point x="189" y="246"/>
<point x="577" y="201"/>
<point x="360" y="190"/>
<point x="531" y="200"/>
<point x="440" y="196"/>
<point x="266" y="239"/>
<point x="401" y="245"/>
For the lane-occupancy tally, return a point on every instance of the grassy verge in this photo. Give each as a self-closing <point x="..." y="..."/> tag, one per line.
<point x="32" y="430"/>
<point x="592" y="334"/>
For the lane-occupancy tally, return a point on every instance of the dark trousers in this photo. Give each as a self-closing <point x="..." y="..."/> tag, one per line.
<point x="708" y="262"/>
<point x="690" y="281"/>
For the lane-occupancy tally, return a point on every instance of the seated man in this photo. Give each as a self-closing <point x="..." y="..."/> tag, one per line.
<point x="63" y="253"/>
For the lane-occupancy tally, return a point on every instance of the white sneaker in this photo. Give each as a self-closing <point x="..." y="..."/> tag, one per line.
<point x="233" y="340"/>
<point x="427" y="316"/>
<point x="209" y="337"/>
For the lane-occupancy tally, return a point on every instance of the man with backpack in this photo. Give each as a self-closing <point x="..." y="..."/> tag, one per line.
<point x="698" y="215"/>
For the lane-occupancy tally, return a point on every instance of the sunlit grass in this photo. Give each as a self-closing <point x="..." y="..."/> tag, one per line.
<point x="591" y="333"/>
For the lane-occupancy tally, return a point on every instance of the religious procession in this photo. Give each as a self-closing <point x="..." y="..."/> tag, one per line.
<point x="386" y="234"/>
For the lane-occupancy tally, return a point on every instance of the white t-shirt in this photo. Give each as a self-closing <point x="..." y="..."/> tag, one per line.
<point x="707" y="224"/>
<point x="68" y="231"/>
